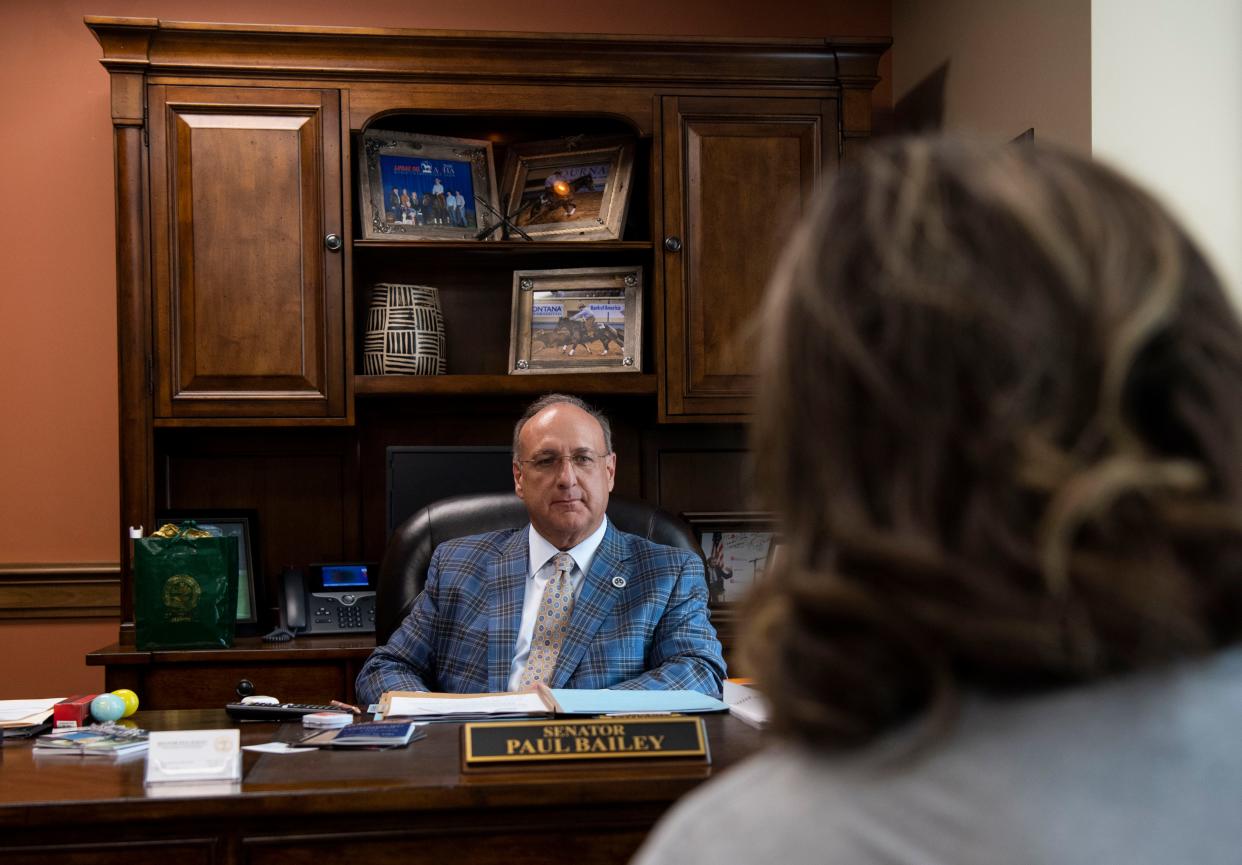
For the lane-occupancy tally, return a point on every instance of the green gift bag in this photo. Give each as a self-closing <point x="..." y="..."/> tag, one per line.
<point x="185" y="589"/>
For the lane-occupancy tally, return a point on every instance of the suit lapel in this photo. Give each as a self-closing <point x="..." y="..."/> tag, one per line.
<point x="595" y="602"/>
<point x="507" y="578"/>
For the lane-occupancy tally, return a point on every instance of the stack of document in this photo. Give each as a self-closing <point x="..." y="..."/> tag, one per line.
<point x="23" y="718"/>
<point x="466" y="707"/>
<point x="745" y="703"/>
<point x="93" y="742"/>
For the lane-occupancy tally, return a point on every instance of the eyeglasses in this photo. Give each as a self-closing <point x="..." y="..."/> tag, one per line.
<point x="583" y="462"/>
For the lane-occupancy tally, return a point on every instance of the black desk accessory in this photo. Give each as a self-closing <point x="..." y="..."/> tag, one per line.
<point x="276" y="711"/>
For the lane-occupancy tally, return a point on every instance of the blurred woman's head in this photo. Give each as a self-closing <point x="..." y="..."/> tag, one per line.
<point x="1001" y="419"/>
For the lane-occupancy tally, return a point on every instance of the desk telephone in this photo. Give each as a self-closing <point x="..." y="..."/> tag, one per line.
<point x="326" y="599"/>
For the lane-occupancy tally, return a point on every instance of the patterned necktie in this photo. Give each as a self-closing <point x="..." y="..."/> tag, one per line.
<point x="552" y="624"/>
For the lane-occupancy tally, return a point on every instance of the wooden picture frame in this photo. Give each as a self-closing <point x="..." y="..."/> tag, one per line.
<point x="242" y="524"/>
<point x="584" y="319"/>
<point x="737" y="547"/>
<point x="405" y="181"/>
<point x="575" y="188"/>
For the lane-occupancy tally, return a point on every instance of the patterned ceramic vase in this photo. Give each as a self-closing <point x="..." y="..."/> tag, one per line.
<point x="405" y="331"/>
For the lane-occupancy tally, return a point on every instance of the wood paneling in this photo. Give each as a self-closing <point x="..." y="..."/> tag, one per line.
<point x="308" y="670"/>
<point x="304" y="485"/>
<point x="696" y="468"/>
<point x="584" y="845"/>
<point x="249" y="302"/>
<point x="63" y="591"/>
<point x="198" y="686"/>
<point x="201" y="851"/>
<point x="739" y="173"/>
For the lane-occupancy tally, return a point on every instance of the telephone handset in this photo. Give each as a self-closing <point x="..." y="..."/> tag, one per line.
<point x="291" y="608"/>
<point x="326" y="599"/>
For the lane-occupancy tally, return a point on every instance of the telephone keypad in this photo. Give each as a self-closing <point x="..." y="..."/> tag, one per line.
<point x="351" y="612"/>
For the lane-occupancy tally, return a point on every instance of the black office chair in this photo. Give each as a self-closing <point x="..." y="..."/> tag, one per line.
<point x="404" y="568"/>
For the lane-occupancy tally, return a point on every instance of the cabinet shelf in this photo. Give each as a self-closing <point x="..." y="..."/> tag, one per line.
<point x="624" y="384"/>
<point x="507" y="247"/>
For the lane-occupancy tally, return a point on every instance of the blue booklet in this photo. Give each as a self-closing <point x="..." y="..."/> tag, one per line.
<point x="616" y="702"/>
<point x="366" y="734"/>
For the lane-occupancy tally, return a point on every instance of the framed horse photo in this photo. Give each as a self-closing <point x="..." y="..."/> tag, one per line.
<point x="575" y="188"/>
<point x="426" y="187"/>
<point x="584" y="319"/>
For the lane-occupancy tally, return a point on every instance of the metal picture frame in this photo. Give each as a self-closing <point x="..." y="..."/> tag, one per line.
<point x="242" y="524"/>
<point x="406" y="180"/>
<point x="572" y="189"/>
<point x="584" y="319"/>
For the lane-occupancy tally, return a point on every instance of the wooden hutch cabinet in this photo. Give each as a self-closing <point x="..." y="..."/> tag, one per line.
<point x="249" y="297"/>
<point x="243" y="274"/>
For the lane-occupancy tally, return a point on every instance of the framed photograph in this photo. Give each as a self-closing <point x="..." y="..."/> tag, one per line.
<point x="585" y="319"/>
<point x="570" y="189"/>
<point x="738" y="547"/>
<point x="426" y="187"/>
<point x="243" y="525"/>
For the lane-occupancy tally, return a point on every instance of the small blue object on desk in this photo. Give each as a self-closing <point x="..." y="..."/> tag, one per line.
<point x="107" y="707"/>
<point x="586" y="701"/>
<point x="366" y="734"/>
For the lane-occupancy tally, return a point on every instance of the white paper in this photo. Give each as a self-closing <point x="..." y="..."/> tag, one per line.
<point x="15" y="710"/>
<point x="277" y="748"/>
<point x="177" y="756"/>
<point x="518" y="703"/>
<point x="746" y="704"/>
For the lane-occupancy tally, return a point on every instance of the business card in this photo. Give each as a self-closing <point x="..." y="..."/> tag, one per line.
<point x="194" y="756"/>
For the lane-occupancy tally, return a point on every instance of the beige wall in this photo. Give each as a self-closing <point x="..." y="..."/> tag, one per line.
<point x="59" y="481"/>
<point x="1011" y="65"/>
<point x="1166" y="78"/>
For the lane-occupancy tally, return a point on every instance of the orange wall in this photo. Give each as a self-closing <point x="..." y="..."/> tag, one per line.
<point x="59" y="480"/>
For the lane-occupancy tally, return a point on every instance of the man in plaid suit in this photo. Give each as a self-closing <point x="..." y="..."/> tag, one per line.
<point x="639" y="611"/>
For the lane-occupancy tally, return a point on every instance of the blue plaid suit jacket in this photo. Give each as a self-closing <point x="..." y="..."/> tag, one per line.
<point x="460" y="634"/>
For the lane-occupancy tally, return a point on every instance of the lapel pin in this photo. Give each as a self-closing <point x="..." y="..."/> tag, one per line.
<point x="619" y="582"/>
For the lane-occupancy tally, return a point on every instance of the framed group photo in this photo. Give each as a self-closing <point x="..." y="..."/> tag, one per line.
<point x="243" y="525"/>
<point x="586" y="319"/>
<point x="426" y="187"/>
<point x="575" y="188"/>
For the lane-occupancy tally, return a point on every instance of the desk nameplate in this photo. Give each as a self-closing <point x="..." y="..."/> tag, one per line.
<point x="491" y="743"/>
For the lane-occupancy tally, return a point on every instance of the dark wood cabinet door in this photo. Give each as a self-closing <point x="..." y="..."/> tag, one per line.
<point x="738" y="175"/>
<point x="249" y="306"/>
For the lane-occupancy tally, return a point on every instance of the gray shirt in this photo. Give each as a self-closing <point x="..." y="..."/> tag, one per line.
<point x="1142" y="770"/>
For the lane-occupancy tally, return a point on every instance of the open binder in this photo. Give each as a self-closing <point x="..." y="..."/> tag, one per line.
<point x="542" y="702"/>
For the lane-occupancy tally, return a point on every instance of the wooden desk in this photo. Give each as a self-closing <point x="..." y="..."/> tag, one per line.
<point x="305" y="670"/>
<point x="412" y="805"/>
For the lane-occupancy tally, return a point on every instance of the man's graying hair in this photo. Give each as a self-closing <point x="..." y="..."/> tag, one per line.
<point x="551" y="399"/>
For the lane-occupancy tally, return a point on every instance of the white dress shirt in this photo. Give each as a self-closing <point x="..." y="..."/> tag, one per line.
<point x="539" y="571"/>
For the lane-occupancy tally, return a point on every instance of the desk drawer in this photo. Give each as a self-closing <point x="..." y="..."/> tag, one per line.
<point x="603" y="845"/>
<point x="198" y="851"/>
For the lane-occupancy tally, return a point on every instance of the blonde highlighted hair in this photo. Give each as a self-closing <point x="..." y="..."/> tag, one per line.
<point x="1001" y="419"/>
